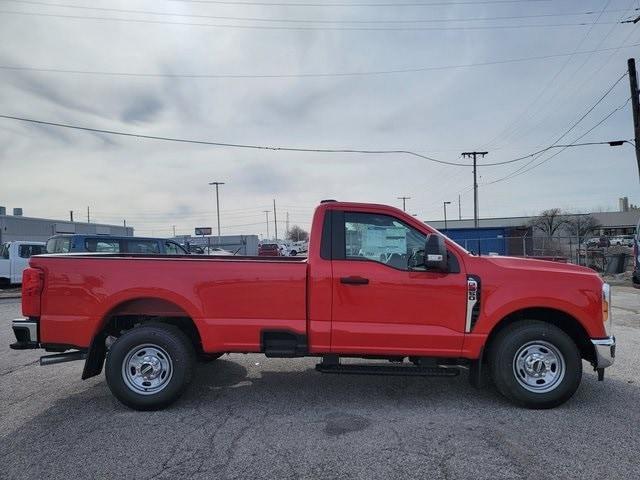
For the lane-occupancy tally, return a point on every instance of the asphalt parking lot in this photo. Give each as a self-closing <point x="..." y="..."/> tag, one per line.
<point x="246" y="416"/>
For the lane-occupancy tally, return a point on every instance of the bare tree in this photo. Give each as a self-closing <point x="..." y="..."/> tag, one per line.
<point x="297" y="234"/>
<point x="549" y="221"/>
<point x="582" y="225"/>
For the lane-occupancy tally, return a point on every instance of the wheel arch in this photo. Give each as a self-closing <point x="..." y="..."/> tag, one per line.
<point x="130" y="312"/>
<point x="564" y="321"/>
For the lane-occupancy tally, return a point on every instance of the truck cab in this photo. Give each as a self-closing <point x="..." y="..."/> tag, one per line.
<point x="14" y="258"/>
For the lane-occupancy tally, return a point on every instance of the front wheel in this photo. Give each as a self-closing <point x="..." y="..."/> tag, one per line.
<point x="535" y="364"/>
<point x="149" y="367"/>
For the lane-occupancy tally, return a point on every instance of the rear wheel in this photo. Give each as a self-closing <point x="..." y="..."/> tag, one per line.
<point x="535" y="364"/>
<point x="150" y="366"/>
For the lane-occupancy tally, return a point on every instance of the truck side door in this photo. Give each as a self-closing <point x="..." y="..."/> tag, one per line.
<point x="382" y="303"/>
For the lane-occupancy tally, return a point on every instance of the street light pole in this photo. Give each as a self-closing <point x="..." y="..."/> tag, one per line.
<point x="266" y="212"/>
<point x="217" y="206"/>
<point x="444" y="205"/>
<point x="404" y="202"/>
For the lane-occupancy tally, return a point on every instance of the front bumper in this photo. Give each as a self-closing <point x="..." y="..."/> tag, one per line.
<point x="26" y="333"/>
<point x="605" y="349"/>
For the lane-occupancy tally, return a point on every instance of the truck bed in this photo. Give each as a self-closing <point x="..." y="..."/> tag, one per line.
<point x="231" y="299"/>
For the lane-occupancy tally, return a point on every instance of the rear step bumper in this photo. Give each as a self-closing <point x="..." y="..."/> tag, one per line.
<point x="373" y="369"/>
<point x="26" y="333"/>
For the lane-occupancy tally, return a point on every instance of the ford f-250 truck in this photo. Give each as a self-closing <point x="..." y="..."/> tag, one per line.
<point x="377" y="284"/>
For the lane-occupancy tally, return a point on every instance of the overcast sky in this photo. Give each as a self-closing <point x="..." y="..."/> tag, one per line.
<point x="510" y="109"/>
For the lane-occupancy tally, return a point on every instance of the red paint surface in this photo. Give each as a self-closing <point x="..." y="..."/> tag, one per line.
<point x="232" y="300"/>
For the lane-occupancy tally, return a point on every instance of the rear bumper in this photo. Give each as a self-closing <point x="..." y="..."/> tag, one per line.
<point x="605" y="349"/>
<point x="26" y="333"/>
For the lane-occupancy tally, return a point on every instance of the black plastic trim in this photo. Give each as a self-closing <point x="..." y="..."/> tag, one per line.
<point x="283" y="344"/>
<point x="338" y="249"/>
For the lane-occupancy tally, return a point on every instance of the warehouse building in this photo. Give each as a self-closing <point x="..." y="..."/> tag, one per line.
<point x="515" y="236"/>
<point x="18" y="227"/>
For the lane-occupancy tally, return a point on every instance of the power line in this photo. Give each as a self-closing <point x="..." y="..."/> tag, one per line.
<point x="586" y="80"/>
<point x="520" y="170"/>
<point x="246" y="146"/>
<point x="264" y="147"/>
<point x="575" y="124"/>
<point x="317" y="21"/>
<point x="527" y="113"/>
<point x="299" y="28"/>
<point x="399" y="4"/>
<point x="305" y="75"/>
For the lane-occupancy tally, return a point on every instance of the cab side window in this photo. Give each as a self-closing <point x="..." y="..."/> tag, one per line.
<point x="383" y="239"/>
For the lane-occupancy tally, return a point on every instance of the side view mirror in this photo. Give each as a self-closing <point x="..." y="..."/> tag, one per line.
<point x="435" y="253"/>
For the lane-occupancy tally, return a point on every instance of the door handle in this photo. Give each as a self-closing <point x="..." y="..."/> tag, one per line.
<point x="354" y="280"/>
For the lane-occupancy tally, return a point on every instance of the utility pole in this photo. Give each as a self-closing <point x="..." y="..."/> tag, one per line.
<point x="635" y="106"/>
<point x="287" y="225"/>
<point x="275" y="219"/>
<point x="217" y="184"/>
<point x="174" y="230"/>
<point x="266" y="212"/>
<point x="459" y="208"/>
<point x="404" y="202"/>
<point x="444" y="205"/>
<point x="124" y="224"/>
<point x="71" y="215"/>
<point x="88" y="216"/>
<point x="474" y="155"/>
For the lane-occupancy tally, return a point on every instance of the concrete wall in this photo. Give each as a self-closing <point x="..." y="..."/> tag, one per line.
<point x="14" y="228"/>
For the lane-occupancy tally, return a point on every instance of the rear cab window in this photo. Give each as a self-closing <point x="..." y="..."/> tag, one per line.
<point x="102" y="245"/>
<point x="142" y="246"/>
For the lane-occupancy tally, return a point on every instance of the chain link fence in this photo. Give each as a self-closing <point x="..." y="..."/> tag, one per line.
<point x="568" y="249"/>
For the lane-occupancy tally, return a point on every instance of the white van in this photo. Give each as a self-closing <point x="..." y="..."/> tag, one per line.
<point x="14" y="258"/>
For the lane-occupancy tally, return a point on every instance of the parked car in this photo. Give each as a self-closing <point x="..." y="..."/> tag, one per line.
<point x="14" y="258"/>
<point x="296" y="248"/>
<point x="410" y="296"/>
<point x="109" y="244"/>
<point x="269" y="250"/>
<point x="624" y="240"/>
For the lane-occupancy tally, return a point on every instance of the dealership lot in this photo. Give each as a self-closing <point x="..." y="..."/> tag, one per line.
<point x="246" y="416"/>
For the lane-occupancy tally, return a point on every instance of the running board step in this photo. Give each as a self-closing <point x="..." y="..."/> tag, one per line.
<point x="365" y="369"/>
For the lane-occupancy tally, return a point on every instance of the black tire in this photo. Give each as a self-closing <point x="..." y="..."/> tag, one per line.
<point x="519" y="379"/>
<point x="171" y="346"/>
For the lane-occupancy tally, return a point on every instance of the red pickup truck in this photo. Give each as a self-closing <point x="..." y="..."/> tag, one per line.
<point x="377" y="284"/>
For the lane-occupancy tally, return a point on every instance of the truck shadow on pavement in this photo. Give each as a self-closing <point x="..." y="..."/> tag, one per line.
<point x="234" y="405"/>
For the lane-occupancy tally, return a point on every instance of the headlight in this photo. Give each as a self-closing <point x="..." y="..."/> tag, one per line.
<point x="606" y="307"/>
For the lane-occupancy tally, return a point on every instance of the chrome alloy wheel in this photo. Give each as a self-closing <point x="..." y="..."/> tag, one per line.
<point x="147" y="369"/>
<point x="539" y="366"/>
